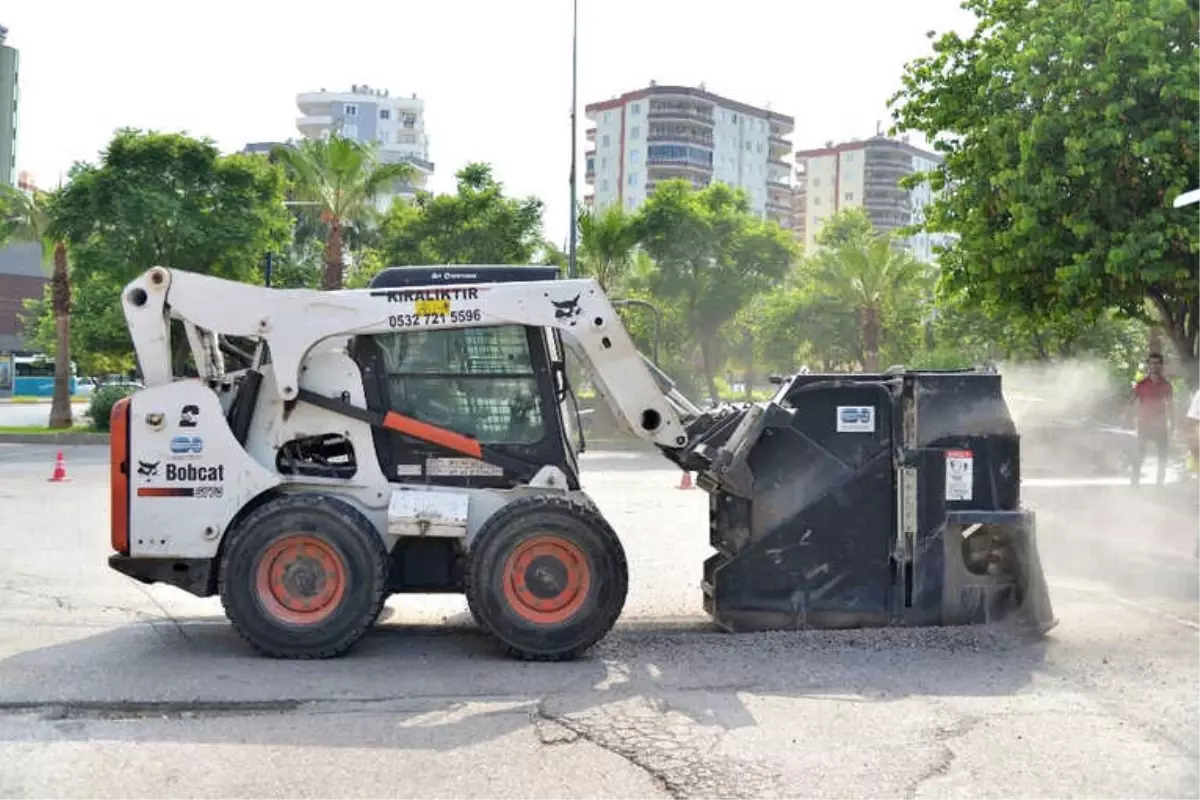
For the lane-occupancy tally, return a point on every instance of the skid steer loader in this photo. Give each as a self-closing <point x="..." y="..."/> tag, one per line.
<point x="330" y="449"/>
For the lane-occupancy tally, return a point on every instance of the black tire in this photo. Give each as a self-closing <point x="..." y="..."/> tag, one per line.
<point x="321" y="530"/>
<point x="598" y="563"/>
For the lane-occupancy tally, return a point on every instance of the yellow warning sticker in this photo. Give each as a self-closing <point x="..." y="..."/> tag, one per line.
<point x="428" y="308"/>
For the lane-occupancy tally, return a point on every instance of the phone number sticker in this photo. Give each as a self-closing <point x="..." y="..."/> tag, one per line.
<point x="428" y="320"/>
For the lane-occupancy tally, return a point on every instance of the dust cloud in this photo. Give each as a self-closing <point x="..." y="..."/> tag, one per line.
<point x="1078" y="447"/>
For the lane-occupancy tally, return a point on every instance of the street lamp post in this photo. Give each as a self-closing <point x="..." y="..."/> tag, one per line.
<point x="574" y="148"/>
<point x="657" y="319"/>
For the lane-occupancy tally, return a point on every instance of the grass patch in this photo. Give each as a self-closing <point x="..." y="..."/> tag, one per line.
<point x="28" y="429"/>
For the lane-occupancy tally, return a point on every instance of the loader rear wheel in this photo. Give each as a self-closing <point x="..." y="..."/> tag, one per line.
<point x="303" y="576"/>
<point x="547" y="577"/>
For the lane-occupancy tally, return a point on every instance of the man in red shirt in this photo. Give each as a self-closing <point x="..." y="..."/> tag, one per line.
<point x="1153" y="397"/>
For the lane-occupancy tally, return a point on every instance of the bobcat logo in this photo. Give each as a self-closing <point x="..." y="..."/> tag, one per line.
<point x="148" y="469"/>
<point x="567" y="309"/>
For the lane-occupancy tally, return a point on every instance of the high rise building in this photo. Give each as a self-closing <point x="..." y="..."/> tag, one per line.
<point x="365" y="114"/>
<point x="10" y="62"/>
<point x="669" y="132"/>
<point x="863" y="174"/>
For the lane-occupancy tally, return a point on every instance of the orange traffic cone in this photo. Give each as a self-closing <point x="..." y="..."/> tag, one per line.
<point x="60" y="469"/>
<point x="686" y="481"/>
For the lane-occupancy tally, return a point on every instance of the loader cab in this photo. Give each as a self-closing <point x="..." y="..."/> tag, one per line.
<point x="504" y="385"/>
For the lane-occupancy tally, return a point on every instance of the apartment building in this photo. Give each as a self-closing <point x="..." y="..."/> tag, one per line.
<point x="10" y="62"/>
<point x="863" y="174"/>
<point x="366" y="114"/>
<point x="671" y="132"/>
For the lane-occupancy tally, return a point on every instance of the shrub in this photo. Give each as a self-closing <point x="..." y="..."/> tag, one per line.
<point x="102" y="401"/>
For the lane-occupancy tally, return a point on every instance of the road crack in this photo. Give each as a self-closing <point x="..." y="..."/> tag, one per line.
<point x="678" y="754"/>
<point x="946" y="758"/>
<point x="134" y="710"/>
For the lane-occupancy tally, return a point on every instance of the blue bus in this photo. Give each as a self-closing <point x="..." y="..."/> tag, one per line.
<point x="34" y="377"/>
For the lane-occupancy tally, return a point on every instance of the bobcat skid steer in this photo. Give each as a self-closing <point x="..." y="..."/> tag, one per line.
<point x="332" y="449"/>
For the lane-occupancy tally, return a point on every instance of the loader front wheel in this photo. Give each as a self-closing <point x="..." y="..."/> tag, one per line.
<point x="547" y="577"/>
<point x="303" y="576"/>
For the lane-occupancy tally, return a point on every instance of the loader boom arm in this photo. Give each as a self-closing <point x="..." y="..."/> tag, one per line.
<point x="293" y="321"/>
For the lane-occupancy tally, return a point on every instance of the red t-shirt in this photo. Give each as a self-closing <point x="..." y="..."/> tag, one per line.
<point x="1153" y="401"/>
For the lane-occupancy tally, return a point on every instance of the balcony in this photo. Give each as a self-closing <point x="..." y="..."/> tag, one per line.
<point x="677" y="154"/>
<point x="398" y="157"/>
<point x="590" y="135"/>
<point x="679" y="111"/>
<point x="314" y="125"/>
<point x="680" y="134"/>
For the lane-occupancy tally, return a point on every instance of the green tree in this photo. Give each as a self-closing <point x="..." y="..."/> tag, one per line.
<point x="1068" y="128"/>
<point x="30" y="217"/>
<point x="159" y="199"/>
<point x="879" y="281"/>
<point x="712" y="255"/>
<point x="607" y="239"/>
<point x="344" y="179"/>
<point x="477" y="224"/>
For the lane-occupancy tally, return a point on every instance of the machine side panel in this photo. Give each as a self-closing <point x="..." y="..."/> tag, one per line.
<point x="812" y="546"/>
<point x="825" y="566"/>
<point x="189" y="476"/>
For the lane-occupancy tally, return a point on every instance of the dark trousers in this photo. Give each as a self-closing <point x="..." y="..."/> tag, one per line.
<point x="1158" y="437"/>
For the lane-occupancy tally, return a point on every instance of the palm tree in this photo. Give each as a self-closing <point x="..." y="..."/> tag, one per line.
<point x="342" y="178"/>
<point x="28" y="217"/>
<point x="606" y="241"/>
<point x="866" y="273"/>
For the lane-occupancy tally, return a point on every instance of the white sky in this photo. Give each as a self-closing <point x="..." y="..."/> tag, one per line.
<point x="495" y="76"/>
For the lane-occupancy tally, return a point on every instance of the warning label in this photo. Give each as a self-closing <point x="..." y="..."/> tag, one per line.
<point x="960" y="474"/>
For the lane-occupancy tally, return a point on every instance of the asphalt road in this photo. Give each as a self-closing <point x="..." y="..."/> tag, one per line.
<point x="32" y="414"/>
<point x="1105" y="706"/>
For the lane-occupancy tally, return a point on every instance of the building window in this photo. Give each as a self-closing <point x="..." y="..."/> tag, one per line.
<point x="637" y="109"/>
<point x="849" y="195"/>
<point x="633" y="179"/>
<point x="816" y="201"/>
<point x="385" y="113"/>
<point x="635" y="132"/>
<point x="604" y="163"/>
<point x="351" y="110"/>
<point x="634" y="156"/>
<point x="350" y="131"/>
<point x="605" y="141"/>
<point x="608" y="116"/>
<point x="383" y="137"/>
<point x="604" y="185"/>
<point x="816" y="182"/>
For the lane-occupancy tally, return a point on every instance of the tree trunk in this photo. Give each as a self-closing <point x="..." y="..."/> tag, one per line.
<point x="1181" y="323"/>
<point x="331" y="280"/>
<point x="60" y="287"/>
<point x="870" y="333"/>
<point x="750" y="376"/>
<point x="705" y="357"/>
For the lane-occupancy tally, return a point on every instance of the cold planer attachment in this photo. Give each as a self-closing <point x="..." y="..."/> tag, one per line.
<point x="864" y="500"/>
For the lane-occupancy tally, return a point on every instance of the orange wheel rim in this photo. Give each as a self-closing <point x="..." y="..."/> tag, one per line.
<point x="301" y="580"/>
<point x="546" y="579"/>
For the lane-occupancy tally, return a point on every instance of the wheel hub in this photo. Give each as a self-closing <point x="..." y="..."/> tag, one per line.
<point x="546" y="579"/>
<point x="301" y="579"/>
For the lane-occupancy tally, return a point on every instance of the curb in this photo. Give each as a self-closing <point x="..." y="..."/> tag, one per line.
<point x="53" y="438"/>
